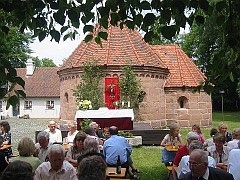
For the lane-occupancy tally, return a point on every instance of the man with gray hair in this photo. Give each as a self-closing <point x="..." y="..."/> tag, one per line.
<point x="57" y="167"/>
<point x="183" y="151"/>
<point x="198" y="164"/>
<point x="42" y="146"/>
<point x="183" y="167"/>
<point x="55" y="135"/>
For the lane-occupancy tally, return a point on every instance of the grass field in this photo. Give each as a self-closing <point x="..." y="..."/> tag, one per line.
<point x="148" y="158"/>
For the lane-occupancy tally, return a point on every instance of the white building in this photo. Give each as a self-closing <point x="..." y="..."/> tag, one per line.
<point x="42" y="88"/>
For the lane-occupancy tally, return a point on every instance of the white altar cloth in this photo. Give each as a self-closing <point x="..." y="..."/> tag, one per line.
<point x="105" y="113"/>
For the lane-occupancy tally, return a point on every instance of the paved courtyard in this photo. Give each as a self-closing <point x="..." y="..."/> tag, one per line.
<point x="25" y="128"/>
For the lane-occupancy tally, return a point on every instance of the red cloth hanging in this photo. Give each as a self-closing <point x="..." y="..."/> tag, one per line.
<point x="112" y="92"/>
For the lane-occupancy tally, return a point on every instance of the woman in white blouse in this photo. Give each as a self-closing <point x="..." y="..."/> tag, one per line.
<point x="72" y="127"/>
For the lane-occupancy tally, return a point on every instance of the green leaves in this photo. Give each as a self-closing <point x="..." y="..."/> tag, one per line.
<point x="169" y="31"/>
<point x="88" y="28"/>
<point x="59" y="17"/>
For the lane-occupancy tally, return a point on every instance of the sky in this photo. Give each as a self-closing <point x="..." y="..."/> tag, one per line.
<point x="62" y="50"/>
<point x="53" y="50"/>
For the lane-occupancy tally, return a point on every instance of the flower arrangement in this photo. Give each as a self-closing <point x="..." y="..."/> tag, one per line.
<point x="84" y="105"/>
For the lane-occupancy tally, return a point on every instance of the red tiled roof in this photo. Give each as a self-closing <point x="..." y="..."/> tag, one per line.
<point x="43" y="83"/>
<point x="120" y="47"/>
<point x="124" y="45"/>
<point x="183" y="72"/>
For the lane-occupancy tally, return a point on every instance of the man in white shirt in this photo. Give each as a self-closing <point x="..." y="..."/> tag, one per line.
<point x="57" y="167"/>
<point x="183" y="167"/>
<point x="234" y="165"/>
<point x="55" y="135"/>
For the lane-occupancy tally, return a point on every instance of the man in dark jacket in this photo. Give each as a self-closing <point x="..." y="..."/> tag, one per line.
<point x="198" y="164"/>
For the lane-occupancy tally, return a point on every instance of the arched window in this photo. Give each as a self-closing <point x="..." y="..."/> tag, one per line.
<point x="66" y="97"/>
<point x="183" y="102"/>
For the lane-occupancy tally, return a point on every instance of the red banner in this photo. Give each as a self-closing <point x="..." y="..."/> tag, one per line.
<point x="112" y="92"/>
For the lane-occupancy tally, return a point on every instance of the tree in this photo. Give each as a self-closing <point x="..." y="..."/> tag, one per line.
<point x="209" y="52"/>
<point x="90" y="87"/>
<point x="15" y="47"/>
<point x="42" y="16"/>
<point x="129" y="87"/>
<point x="45" y="62"/>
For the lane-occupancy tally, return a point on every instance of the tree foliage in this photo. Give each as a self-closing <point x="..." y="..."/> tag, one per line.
<point x="129" y="87"/>
<point x="45" y="62"/>
<point x="90" y="88"/>
<point x="15" y="47"/>
<point x="62" y="18"/>
<point x="205" y="44"/>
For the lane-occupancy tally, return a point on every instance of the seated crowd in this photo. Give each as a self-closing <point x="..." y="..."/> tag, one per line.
<point x="213" y="158"/>
<point x="88" y="155"/>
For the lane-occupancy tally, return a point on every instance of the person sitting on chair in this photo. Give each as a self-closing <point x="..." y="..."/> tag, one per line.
<point x="198" y="163"/>
<point x="117" y="146"/>
<point x="55" y="135"/>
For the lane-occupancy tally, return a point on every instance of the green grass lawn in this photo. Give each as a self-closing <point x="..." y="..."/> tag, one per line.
<point x="148" y="158"/>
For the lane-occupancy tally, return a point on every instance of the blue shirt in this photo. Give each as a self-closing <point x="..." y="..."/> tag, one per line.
<point x="114" y="146"/>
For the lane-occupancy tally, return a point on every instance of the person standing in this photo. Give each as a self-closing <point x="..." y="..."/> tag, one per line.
<point x="6" y="134"/>
<point x="55" y="135"/>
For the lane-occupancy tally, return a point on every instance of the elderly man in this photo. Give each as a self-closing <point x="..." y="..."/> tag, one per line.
<point x="42" y="146"/>
<point x="198" y="163"/>
<point x="55" y="135"/>
<point x="183" y="167"/>
<point x="57" y="167"/>
<point x="117" y="146"/>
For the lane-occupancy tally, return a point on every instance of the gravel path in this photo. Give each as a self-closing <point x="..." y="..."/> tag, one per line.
<point x="26" y="128"/>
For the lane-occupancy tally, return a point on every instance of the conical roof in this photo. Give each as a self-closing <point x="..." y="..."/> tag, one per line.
<point x="183" y="72"/>
<point x="121" y="47"/>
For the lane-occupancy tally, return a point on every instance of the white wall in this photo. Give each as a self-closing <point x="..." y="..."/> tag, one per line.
<point x="38" y="110"/>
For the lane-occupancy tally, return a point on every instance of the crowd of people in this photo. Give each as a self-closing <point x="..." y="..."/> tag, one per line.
<point x="90" y="152"/>
<point x="93" y="150"/>
<point x="215" y="158"/>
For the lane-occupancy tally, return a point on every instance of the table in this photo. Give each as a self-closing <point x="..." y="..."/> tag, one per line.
<point x="5" y="147"/>
<point x="111" y="173"/>
<point x="171" y="148"/>
<point x="121" y="118"/>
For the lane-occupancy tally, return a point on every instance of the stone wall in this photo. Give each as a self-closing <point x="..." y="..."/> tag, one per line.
<point x="67" y="100"/>
<point x="197" y="107"/>
<point x="160" y="106"/>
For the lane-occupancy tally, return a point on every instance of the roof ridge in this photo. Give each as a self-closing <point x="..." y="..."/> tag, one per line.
<point x="130" y="40"/>
<point x="182" y="78"/>
<point x="108" y="45"/>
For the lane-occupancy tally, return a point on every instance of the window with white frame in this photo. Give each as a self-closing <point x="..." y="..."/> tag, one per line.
<point x="50" y="104"/>
<point x="27" y="104"/>
<point x="0" y="106"/>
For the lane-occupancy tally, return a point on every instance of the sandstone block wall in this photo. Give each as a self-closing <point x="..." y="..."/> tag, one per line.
<point x="197" y="108"/>
<point x="160" y="106"/>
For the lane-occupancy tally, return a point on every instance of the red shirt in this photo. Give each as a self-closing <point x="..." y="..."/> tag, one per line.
<point x="182" y="151"/>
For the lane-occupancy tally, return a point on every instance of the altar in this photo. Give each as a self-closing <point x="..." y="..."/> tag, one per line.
<point x="121" y="118"/>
